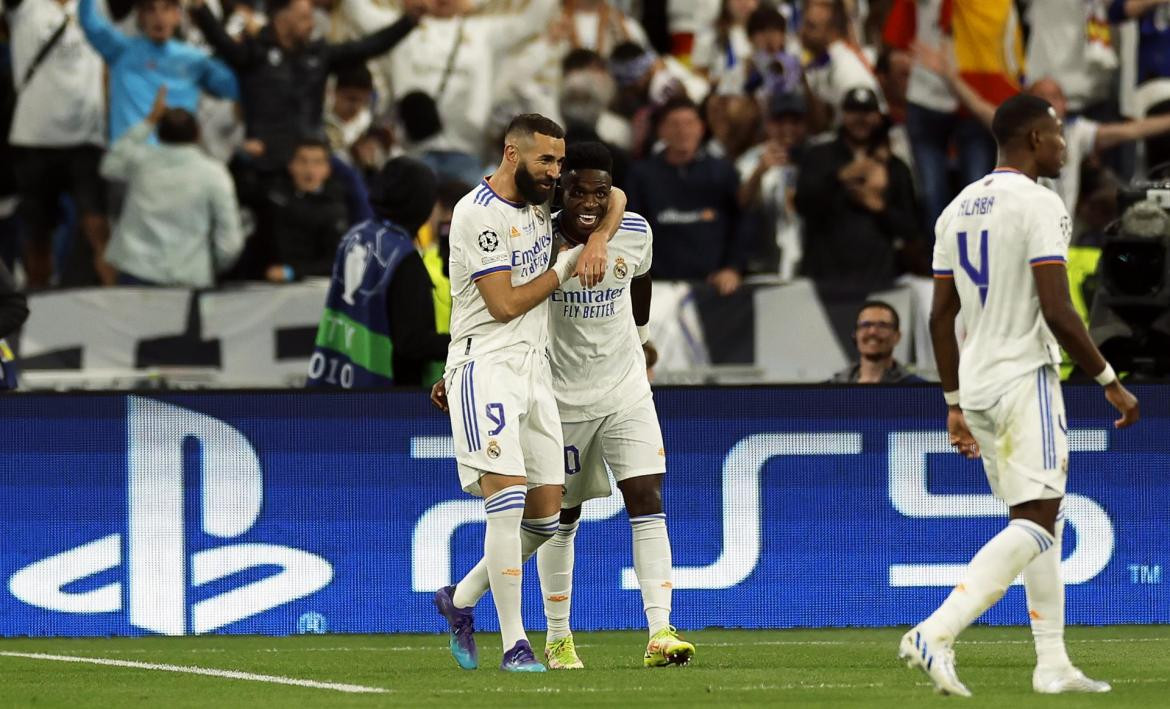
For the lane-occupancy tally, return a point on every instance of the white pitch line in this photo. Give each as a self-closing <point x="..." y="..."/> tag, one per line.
<point x="209" y="672"/>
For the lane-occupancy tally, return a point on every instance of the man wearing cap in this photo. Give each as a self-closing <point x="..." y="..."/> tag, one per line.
<point x="378" y="328"/>
<point x="767" y="176"/>
<point x="857" y="199"/>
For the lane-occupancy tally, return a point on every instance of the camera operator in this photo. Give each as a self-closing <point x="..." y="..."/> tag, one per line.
<point x="861" y="220"/>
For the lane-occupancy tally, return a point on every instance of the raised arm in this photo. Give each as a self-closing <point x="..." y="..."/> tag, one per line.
<point x="100" y="32"/>
<point x="940" y="60"/>
<point x="123" y="157"/>
<point x="219" y="80"/>
<point x="506" y="302"/>
<point x="234" y="53"/>
<point x="379" y="42"/>
<point x="1111" y="134"/>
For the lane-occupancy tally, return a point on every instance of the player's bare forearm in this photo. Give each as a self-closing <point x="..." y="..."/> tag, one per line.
<point x="506" y="302"/>
<point x="943" y="310"/>
<point x="1062" y="318"/>
<point x="640" y="292"/>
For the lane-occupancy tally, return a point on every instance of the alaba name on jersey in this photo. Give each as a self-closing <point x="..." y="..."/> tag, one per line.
<point x="490" y="234"/>
<point x="598" y="366"/>
<point x="988" y="239"/>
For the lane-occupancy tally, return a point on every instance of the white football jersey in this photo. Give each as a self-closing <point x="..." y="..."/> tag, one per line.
<point x="598" y="365"/>
<point x="490" y="234"/>
<point x="988" y="239"/>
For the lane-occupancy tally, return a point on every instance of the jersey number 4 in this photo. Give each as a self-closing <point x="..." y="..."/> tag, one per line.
<point x="979" y="276"/>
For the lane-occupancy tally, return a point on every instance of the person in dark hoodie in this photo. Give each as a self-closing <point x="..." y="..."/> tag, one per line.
<point x="13" y="313"/>
<point x="378" y="328"/>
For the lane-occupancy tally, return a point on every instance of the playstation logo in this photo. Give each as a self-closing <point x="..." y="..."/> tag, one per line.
<point x="159" y="573"/>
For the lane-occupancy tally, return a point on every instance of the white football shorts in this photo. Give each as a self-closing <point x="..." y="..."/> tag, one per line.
<point x="504" y="419"/>
<point x="1023" y="439"/>
<point x="629" y="441"/>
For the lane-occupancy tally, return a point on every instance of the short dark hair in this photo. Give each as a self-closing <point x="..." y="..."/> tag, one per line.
<point x="764" y="19"/>
<point x="880" y="304"/>
<point x="582" y="58"/>
<point x="587" y="155"/>
<point x="529" y="124"/>
<point x="419" y="115"/>
<point x="356" y="76"/>
<point x="178" y="126"/>
<point x="626" y="51"/>
<point x="310" y="142"/>
<point x="450" y="191"/>
<point x="1016" y="116"/>
<point x="678" y="103"/>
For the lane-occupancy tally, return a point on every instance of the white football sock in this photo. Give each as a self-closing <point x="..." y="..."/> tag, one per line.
<point x="533" y="533"/>
<point x="988" y="576"/>
<point x="554" y="561"/>
<point x="652" y="564"/>
<point x="1045" y="590"/>
<point x="502" y="559"/>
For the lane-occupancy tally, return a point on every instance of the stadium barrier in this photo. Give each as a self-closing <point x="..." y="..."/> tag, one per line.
<point x="281" y="513"/>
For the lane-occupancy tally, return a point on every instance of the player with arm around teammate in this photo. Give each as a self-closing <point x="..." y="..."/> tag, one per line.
<point x="999" y="258"/>
<point x="506" y="431"/>
<point x="607" y="411"/>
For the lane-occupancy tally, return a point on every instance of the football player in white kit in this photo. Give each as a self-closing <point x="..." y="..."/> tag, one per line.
<point x="507" y="433"/>
<point x="607" y="411"/>
<point x="999" y="258"/>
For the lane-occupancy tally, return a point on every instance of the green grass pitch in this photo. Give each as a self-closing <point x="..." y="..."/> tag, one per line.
<point x="830" y="668"/>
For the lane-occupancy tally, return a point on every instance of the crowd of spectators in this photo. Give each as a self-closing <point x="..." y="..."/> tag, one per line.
<point x="188" y="142"/>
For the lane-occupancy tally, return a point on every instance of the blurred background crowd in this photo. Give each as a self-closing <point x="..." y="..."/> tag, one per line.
<point x="195" y="142"/>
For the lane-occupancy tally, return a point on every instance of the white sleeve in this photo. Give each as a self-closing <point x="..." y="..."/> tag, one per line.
<point x="476" y="240"/>
<point x="647" y="254"/>
<point x="941" y="263"/>
<point x="1049" y="231"/>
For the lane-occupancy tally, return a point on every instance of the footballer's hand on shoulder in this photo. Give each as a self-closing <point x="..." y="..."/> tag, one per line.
<point x="959" y="434"/>
<point x="439" y="395"/>
<point x="1125" y="402"/>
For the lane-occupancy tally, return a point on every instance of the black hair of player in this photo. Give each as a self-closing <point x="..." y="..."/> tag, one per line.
<point x="581" y="58"/>
<point x="883" y="305"/>
<point x="530" y="124"/>
<point x="766" y="19"/>
<point x="1017" y="117"/>
<point x="587" y="155"/>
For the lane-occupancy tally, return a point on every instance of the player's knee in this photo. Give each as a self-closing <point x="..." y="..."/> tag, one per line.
<point x="643" y="495"/>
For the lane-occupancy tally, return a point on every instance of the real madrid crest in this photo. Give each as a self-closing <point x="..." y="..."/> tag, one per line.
<point x="619" y="268"/>
<point x="488" y="241"/>
<point x="493" y="449"/>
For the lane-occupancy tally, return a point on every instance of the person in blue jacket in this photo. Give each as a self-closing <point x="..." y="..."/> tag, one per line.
<point x="378" y="328"/>
<point x="140" y="65"/>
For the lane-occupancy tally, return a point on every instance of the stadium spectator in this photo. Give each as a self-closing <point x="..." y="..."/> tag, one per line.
<point x="302" y="216"/>
<point x="450" y="61"/>
<point x="140" y="64"/>
<point x="1069" y="41"/>
<point x="770" y="69"/>
<point x="734" y="123"/>
<point x="180" y="225"/>
<point x="600" y="26"/>
<point x="381" y="290"/>
<point x="586" y="91"/>
<point x="1083" y="136"/>
<point x="877" y="333"/>
<point x="350" y="113"/>
<point x="767" y="174"/>
<point x="283" y="72"/>
<point x="861" y="219"/>
<point x="646" y="82"/>
<point x="1153" y="58"/>
<point x="837" y="65"/>
<point x="59" y="142"/>
<point x="721" y="49"/>
<point x="689" y="198"/>
<point x="13" y="313"/>
<point x="934" y="124"/>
